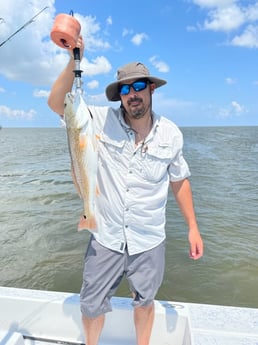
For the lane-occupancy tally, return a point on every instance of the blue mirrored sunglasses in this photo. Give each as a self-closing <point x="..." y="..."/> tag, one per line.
<point x="138" y="85"/>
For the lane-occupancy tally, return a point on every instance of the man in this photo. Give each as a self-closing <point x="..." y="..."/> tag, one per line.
<point x="140" y="154"/>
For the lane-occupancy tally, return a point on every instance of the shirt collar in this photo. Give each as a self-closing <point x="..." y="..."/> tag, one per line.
<point x="156" y="120"/>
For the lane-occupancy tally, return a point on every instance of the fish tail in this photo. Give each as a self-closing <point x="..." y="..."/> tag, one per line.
<point x="87" y="223"/>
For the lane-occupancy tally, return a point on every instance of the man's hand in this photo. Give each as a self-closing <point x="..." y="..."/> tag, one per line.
<point x="196" y="244"/>
<point x="80" y="45"/>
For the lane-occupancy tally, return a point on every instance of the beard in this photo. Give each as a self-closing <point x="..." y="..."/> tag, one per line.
<point x="136" y="111"/>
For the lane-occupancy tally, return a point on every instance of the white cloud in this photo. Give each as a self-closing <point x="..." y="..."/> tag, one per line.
<point x="237" y="107"/>
<point x="91" y="31"/>
<point x="213" y="3"/>
<point x="224" y="19"/>
<point x="232" y="110"/>
<point x="2" y="89"/>
<point x="40" y="93"/>
<point x="97" y="66"/>
<point x="22" y="56"/>
<point x="233" y="17"/>
<point x="30" y="56"/>
<point x="230" y="81"/>
<point x="161" y="66"/>
<point x="127" y="32"/>
<point x="93" y="84"/>
<point x="17" y="113"/>
<point x="137" y="39"/>
<point x="109" y="21"/>
<point x="251" y="12"/>
<point x="248" y="38"/>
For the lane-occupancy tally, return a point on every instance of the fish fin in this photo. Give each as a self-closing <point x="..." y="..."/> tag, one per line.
<point x="87" y="224"/>
<point x="97" y="190"/>
<point x="95" y="142"/>
<point x="83" y="141"/>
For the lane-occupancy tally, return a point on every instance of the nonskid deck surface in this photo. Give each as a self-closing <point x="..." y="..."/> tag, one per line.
<point x="198" y="339"/>
<point x="31" y="317"/>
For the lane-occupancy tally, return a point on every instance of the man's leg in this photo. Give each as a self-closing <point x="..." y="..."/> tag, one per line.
<point x="143" y="319"/>
<point x="145" y="274"/>
<point x="103" y="271"/>
<point x="92" y="328"/>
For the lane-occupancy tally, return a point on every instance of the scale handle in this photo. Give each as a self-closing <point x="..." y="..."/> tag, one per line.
<point x="76" y="53"/>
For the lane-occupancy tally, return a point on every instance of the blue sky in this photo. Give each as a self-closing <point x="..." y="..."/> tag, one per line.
<point x="207" y="50"/>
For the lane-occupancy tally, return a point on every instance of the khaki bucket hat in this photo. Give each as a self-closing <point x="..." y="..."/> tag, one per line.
<point x="133" y="70"/>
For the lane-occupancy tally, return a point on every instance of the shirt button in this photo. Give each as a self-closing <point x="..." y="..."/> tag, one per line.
<point x="126" y="226"/>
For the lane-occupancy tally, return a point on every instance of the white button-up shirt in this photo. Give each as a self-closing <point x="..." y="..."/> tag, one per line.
<point x="133" y="180"/>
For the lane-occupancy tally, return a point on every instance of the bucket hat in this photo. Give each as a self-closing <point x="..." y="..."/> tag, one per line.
<point x="133" y="70"/>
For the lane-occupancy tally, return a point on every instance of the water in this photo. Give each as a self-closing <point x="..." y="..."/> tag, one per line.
<point x="39" y="212"/>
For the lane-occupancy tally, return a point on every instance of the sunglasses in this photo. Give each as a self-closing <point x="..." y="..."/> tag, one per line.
<point x="138" y="85"/>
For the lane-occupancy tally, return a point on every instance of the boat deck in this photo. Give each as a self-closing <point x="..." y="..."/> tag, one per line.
<point x="30" y="317"/>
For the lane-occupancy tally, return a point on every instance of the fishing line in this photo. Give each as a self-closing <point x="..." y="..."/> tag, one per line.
<point x="22" y="27"/>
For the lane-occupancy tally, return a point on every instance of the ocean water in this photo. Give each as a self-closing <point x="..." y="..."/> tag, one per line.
<point x="40" y="247"/>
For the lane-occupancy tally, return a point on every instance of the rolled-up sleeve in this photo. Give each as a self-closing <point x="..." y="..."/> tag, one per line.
<point x="178" y="169"/>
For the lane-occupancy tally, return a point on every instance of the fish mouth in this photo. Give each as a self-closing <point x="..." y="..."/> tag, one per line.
<point x="69" y="99"/>
<point x="70" y="96"/>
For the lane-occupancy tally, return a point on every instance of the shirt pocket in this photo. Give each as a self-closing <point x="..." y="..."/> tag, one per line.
<point x="111" y="151"/>
<point x="155" y="162"/>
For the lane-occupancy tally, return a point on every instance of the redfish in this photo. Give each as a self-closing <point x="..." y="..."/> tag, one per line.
<point x="82" y="143"/>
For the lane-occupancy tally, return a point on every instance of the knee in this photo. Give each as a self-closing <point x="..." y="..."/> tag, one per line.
<point x="94" y="310"/>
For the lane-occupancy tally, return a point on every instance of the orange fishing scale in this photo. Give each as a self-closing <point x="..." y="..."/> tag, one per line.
<point x="65" y="32"/>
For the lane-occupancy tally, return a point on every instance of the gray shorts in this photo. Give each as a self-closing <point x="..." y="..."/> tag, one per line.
<point x="104" y="270"/>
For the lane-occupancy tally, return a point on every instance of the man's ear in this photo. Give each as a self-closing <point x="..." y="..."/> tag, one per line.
<point x="152" y="87"/>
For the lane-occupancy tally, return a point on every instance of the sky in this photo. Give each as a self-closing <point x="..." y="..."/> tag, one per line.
<point x="207" y="50"/>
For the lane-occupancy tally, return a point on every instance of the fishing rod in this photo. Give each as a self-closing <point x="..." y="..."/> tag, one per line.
<point x="23" y="26"/>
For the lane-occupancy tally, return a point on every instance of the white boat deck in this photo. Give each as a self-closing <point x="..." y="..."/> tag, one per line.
<point x="31" y="317"/>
